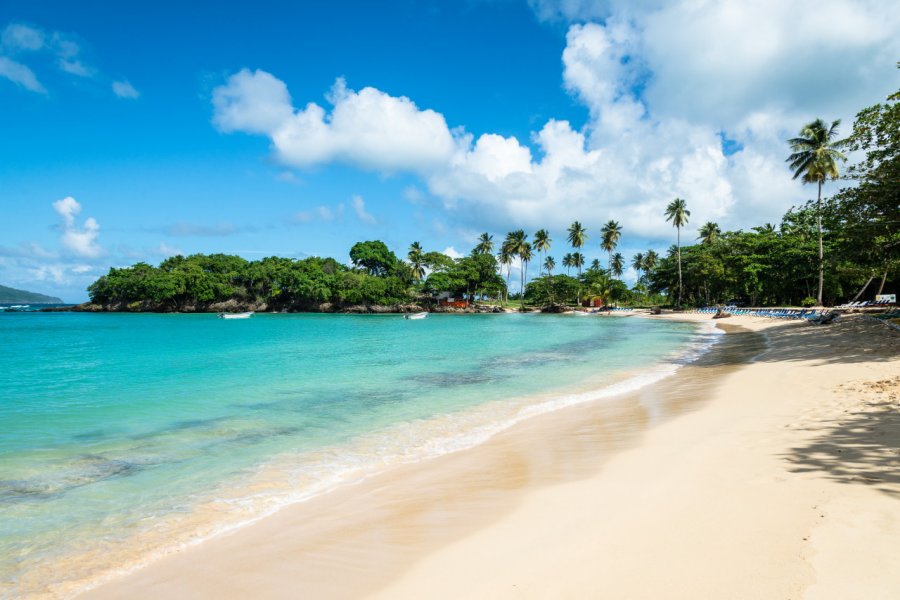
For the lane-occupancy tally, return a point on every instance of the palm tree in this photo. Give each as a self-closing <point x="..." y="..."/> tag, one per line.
<point x="577" y="237"/>
<point x="416" y="261"/>
<point x="485" y="244"/>
<point x="815" y="155"/>
<point x="637" y="263"/>
<point x="578" y="261"/>
<point x="549" y="264"/>
<point x="651" y="259"/>
<point x="617" y="264"/>
<point x="504" y="257"/>
<point x="678" y="213"/>
<point x="610" y="235"/>
<point x="541" y="243"/>
<point x="595" y="265"/>
<point x="567" y="262"/>
<point x="709" y="233"/>
<point x="525" y="253"/>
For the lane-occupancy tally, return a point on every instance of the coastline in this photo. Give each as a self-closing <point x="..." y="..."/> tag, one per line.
<point x="648" y="508"/>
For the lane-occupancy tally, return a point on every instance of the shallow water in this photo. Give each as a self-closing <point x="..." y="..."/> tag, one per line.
<point x="129" y="434"/>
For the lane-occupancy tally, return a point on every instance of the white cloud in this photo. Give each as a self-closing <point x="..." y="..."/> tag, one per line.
<point x="81" y="241"/>
<point x="17" y="37"/>
<point x="663" y="84"/>
<point x="359" y="207"/>
<point x="166" y="250"/>
<point x="452" y="252"/>
<point x="21" y="75"/>
<point x="124" y="89"/>
<point x="19" y="41"/>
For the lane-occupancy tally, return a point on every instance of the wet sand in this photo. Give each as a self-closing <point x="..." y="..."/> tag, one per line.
<point x="729" y="479"/>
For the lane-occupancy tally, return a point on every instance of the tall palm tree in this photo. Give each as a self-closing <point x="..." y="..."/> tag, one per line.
<point x="678" y="213"/>
<point x="567" y="261"/>
<point x="550" y="264"/>
<point x="709" y="233"/>
<point x="610" y="235"/>
<point x="577" y="237"/>
<point x="595" y="265"/>
<point x="505" y="258"/>
<point x="815" y="156"/>
<point x="617" y="264"/>
<point x="485" y="244"/>
<point x="637" y="263"/>
<point x="526" y="254"/>
<point x="541" y="243"/>
<point x="416" y="261"/>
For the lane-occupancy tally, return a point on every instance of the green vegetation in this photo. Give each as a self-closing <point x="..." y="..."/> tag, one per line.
<point x="829" y="250"/>
<point x="10" y="295"/>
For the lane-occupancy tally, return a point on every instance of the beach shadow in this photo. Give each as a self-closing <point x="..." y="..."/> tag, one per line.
<point x="851" y="339"/>
<point x="863" y="449"/>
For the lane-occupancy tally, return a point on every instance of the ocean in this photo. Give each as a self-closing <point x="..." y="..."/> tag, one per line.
<point x="127" y="436"/>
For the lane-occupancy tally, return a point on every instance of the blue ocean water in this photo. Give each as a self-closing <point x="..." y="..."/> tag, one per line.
<point x="125" y="435"/>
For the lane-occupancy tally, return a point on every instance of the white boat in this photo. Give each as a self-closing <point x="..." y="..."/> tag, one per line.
<point x="418" y="315"/>
<point x="240" y="315"/>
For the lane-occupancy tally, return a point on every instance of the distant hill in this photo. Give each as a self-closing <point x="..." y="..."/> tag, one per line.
<point x="9" y="295"/>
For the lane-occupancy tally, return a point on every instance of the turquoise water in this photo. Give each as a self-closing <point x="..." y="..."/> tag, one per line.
<point x="125" y="435"/>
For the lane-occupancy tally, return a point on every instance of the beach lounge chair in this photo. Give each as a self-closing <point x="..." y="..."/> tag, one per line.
<point x="825" y="318"/>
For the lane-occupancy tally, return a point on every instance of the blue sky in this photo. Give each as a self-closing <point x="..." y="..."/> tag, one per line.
<point x="189" y="127"/>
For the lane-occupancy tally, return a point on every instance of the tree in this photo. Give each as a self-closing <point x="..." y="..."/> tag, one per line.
<point x="577" y="237"/>
<point x="542" y="243"/>
<point x="867" y="215"/>
<point x="637" y="263"/>
<point x="485" y="244"/>
<point x="617" y="264"/>
<point x="709" y="233"/>
<point x="416" y="261"/>
<point x="651" y="259"/>
<point x="549" y="264"/>
<point x="526" y="255"/>
<point x="567" y="262"/>
<point x="578" y="261"/>
<point x="610" y="235"/>
<point x="504" y="257"/>
<point x="678" y="213"/>
<point x="814" y="158"/>
<point x="374" y="257"/>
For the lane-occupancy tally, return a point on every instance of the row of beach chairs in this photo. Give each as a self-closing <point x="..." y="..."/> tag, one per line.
<point x="866" y="304"/>
<point x="772" y="313"/>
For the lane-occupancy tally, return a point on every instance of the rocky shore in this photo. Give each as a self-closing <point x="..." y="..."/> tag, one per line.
<point x="262" y="307"/>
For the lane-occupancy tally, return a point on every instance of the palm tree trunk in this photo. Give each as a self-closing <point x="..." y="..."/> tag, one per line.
<point x="821" y="249"/>
<point x="860" y="292"/>
<point x="881" y="287"/>
<point x="678" y="229"/>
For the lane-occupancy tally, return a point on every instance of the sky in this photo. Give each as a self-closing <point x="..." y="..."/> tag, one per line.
<point x="136" y="131"/>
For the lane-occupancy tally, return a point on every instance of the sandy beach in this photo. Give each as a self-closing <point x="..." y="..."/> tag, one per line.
<point x="768" y="469"/>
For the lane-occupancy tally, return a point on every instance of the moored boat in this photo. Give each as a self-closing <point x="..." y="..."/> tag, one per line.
<point x="240" y="315"/>
<point x="418" y="315"/>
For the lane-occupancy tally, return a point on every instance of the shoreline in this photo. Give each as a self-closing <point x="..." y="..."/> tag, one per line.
<point x="320" y="547"/>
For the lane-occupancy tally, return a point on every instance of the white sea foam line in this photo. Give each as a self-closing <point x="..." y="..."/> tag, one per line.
<point x="453" y="436"/>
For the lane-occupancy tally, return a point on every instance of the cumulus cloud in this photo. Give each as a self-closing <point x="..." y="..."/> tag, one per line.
<point x="359" y="207"/>
<point x="685" y="98"/>
<point x="81" y="241"/>
<point x="368" y="128"/>
<point x="124" y="89"/>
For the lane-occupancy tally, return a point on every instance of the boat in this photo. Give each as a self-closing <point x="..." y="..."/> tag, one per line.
<point x="418" y="315"/>
<point x="240" y="315"/>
